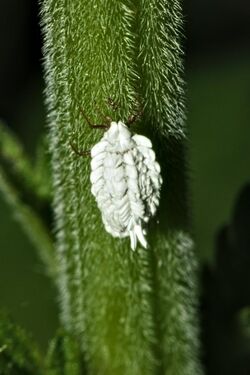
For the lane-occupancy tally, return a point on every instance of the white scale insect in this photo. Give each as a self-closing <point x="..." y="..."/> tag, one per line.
<point x="126" y="182"/>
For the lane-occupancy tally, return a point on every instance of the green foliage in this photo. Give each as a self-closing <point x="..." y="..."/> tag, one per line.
<point x="119" y="299"/>
<point x="27" y="190"/>
<point x="64" y="356"/>
<point x="29" y="179"/>
<point x="18" y="354"/>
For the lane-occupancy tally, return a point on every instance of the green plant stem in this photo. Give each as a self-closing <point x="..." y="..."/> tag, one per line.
<point x="109" y="294"/>
<point x="173" y="258"/>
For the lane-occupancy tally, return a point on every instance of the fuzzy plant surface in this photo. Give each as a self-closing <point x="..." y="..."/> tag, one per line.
<point x="135" y="312"/>
<point x="132" y="312"/>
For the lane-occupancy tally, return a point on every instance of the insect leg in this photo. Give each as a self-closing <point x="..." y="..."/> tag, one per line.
<point x="105" y="117"/>
<point x="80" y="153"/>
<point x="113" y="104"/>
<point x="134" y="117"/>
<point x="93" y="126"/>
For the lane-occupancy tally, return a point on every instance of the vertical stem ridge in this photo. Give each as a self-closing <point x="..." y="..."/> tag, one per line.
<point x="173" y="259"/>
<point x="56" y="77"/>
<point x="160" y="23"/>
<point x="177" y="303"/>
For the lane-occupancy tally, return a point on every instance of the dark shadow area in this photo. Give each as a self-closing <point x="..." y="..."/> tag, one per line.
<point x="226" y="296"/>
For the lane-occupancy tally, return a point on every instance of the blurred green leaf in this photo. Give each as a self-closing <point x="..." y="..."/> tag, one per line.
<point x="21" y="188"/>
<point x="18" y="353"/>
<point x="29" y="179"/>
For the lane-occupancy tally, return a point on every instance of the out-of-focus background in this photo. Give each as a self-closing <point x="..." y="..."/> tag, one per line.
<point x="218" y="102"/>
<point x="25" y="291"/>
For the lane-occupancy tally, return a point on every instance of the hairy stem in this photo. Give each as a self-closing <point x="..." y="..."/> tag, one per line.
<point x="117" y="302"/>
<point x="173" y="258"/>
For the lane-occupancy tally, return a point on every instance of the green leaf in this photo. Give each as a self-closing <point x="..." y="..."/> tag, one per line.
<point x="42" y="169"/>
<point x="18" y="353"/>
<point x="17" y="184"/>
<point x="27" y="178"/>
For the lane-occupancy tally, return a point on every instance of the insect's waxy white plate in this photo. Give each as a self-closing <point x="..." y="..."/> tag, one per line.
<point x="126" y="182"/>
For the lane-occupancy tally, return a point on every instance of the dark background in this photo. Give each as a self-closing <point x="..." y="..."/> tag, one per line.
<point x="218" y="96"/>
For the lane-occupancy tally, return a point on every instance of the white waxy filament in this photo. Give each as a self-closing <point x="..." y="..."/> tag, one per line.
<point x="126" y="182"/>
